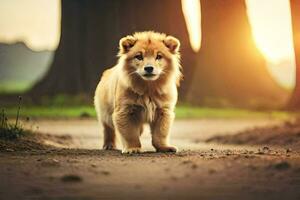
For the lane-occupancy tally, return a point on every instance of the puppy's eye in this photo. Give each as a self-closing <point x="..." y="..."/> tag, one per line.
<point x="139" y="57"/>
<point x="158" y="57"/>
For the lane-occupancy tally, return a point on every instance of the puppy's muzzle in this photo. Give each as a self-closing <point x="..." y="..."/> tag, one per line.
<point x="148" y="69"/>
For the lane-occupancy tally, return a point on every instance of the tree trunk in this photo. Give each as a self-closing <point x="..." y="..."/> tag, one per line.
<point x="294" y="102"/>
<point x="85" y="49"/>
<point x="230" y="69"/>
<point x="89" y="40"/>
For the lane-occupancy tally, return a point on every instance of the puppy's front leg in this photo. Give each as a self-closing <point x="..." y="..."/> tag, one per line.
<point x="128" y="123"/>
<point x="160" y="129"/>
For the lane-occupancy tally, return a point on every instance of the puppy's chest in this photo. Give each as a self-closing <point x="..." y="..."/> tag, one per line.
<point x="150" y="106"/>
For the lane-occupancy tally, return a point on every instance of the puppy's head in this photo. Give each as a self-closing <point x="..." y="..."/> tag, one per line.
<point x="150" y="56"/>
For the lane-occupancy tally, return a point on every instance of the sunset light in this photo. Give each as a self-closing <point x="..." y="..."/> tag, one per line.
<point x="271" y="27"/>
<point x="192" y="15"/>
<point x="270" y="21"/>
<point x="35" y="22"/>
<point x="272" y="31"/>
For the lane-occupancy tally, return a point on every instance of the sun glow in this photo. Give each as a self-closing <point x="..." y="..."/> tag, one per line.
<point x="271" y="27"/>
<point x="272" y="31"/>
<point x="192" y="15"/>
<point x="35" y="22"/>
<point x="270" y="21"/>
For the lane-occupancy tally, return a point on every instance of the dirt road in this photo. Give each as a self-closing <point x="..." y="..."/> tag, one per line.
<point x="199" y="171"/>
<point x="186" y="134"/>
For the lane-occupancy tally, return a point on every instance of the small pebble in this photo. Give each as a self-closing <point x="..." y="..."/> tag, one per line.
<point x="9" y="150"/>
<point x="186" y="162"/>
<point x="194" y="166"/>
<point x="266" y="150"/>
<point x="106" y="173"/>
<point x="71" y="178"/>
<point x="283" y="165"/>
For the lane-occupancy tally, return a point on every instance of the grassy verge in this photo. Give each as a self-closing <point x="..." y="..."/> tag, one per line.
<point x="182" y="112"/>
<point x="10" y="130"/>
<point x="13" y="87"/>
<point x="225" y="113"/>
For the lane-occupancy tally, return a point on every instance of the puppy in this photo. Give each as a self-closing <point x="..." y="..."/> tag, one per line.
<point x="141" y="88"/>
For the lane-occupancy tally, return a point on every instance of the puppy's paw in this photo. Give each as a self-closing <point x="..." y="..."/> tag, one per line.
<point x="109" y="146"/>
<point x="131" y="150"/>
<point x="171" y="149"/>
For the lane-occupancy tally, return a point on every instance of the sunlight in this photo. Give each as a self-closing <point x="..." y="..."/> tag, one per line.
<point x="192" y="15"/>
<point x="36" y="22"/>
<point x="271" y="26"/>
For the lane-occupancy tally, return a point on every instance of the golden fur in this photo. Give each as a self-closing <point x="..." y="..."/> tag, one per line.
<point x="128" y="96"/>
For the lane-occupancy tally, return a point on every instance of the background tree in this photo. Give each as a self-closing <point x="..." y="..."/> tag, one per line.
<point x="294" y="102"/>
<point x="229" y="67"/>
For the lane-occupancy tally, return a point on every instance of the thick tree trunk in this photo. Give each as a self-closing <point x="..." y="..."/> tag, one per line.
<point x="230" y="69"/>
<point x="90" y="34"/>
<point x="294" y="102"/>
<point x="85" y="48"/>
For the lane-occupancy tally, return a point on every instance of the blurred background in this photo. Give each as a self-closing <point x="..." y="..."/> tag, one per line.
<point x="235" y="53"/>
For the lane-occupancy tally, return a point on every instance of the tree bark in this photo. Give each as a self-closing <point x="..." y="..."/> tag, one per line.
<point x="294" y="102"/>
<point x="84" y="50"/>
<point x="230" y="69"/>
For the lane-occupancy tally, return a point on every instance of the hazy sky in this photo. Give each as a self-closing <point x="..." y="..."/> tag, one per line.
<point x="272" y="30"/>
<point x="271" y="26"/>
<point x="37" y="23"/>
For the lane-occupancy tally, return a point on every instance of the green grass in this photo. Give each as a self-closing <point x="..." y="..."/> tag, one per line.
<point x="202" y="112"/>
<point x="11" y="130"/>
<point x="52" y="112"/>
<point x="12" y="87"/>
<point x="182" y="112"/>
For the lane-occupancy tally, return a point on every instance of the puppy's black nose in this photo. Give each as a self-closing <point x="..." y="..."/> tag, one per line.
<point x="148" y="69"/>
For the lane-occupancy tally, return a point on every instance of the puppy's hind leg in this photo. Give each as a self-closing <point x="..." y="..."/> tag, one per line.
<point x="109" y="137"/>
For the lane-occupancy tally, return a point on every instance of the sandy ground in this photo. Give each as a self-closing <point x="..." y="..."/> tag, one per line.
<point x="199" y="171"/>
<point x="186" y="134"/>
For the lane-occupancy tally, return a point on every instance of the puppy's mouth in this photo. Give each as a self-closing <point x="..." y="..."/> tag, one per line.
<point x="150" y="76"/>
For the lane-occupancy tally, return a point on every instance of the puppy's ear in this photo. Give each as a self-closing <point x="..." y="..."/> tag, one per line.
<point x="126" y="43"/>
<point x="172" y="43"/>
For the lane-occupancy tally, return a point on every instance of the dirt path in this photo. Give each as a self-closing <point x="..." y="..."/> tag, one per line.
<point x="198" y="171"/>
<point x="186" y="134"/>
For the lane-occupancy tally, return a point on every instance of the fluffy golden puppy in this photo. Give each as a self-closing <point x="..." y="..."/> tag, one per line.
<point x="141" y="88"/>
